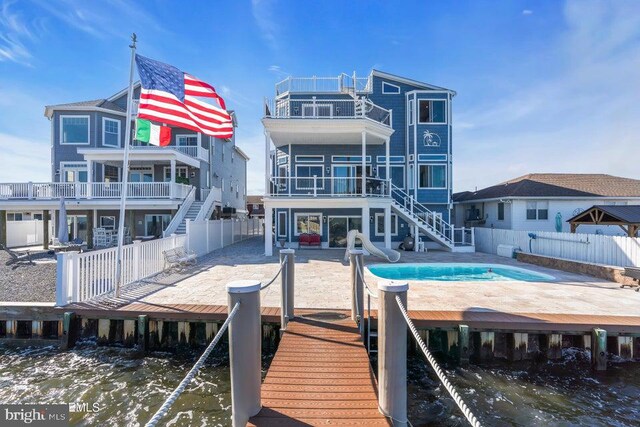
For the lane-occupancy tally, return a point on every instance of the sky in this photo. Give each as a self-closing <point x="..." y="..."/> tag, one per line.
<point x="543" y="86"/>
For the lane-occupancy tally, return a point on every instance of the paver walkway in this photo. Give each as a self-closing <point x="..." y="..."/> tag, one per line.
<point x="320" y="375"/>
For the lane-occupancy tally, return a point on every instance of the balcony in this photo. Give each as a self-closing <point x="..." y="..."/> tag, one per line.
<point x="329" y="187"/>
<point x="95" y="190"/>
<point x="341" y="84"/>
<point x="195" y="151"/>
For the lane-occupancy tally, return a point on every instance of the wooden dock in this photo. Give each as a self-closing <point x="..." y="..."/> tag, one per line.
<point x="320" y="375"/>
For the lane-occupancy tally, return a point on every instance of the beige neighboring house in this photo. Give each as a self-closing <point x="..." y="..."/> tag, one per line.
<point x="255" y="206"/>
<point x="544" y="202"/>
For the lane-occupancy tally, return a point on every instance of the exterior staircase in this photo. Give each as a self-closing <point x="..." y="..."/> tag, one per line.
<point x="191" y="214"/>
<point x="430" y="223"/>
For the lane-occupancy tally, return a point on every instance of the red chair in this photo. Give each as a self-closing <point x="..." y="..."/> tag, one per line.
<point x="306" y="239"/>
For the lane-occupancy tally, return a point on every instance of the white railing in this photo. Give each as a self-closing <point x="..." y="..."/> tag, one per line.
<point x="313" y="108"/>
<point x="82" y="276"/>
<point x="95" y="190"/>
<point x="215" y="194"/>
<point x="329" y="187"/>
<point x="209" y="235"/>
<point x="621" y="251"/>
<point x="182" y="212"/>
<point x="195" y="151"/>
<point x="341" y="84"/>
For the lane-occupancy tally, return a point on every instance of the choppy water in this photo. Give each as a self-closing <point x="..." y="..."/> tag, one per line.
<point x="128" y="389"/>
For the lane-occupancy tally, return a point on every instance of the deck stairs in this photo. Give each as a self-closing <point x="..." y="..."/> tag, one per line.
<point x="427" y="221"/>
<point x="192" y="213"/>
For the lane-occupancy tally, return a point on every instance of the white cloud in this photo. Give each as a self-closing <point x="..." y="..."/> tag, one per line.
<point x="527" y="12"/>
<point x="24" y="159"/>
<point x="582" y="118"/>
<point x="263" y="14"/>
<point x="15" y="32"/>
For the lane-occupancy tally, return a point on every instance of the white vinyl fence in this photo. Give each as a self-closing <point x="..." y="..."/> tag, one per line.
<point x="208" y="235"/>
<point x="620" y="251"/>
<point x="82" y="276"/>
<point x="26" y="233"/>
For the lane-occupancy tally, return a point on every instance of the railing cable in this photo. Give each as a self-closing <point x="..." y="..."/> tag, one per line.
<point x="192" y="373"/>
<point x="436" y="367"/>
<point x="284" y="261"/>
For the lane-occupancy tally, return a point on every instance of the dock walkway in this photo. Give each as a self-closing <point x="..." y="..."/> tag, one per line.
<point x="320" y="375"/>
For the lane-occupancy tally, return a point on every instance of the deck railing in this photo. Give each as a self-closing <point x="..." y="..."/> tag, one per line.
<point x="340" y="84"/>
<point x="94" y="190"/>
<point x="314" y="108"/>
<point x="329" y="187"/>
<point x="195" y="151"/>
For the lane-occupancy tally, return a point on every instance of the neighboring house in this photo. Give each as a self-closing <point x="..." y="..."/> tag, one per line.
<point x="255" y="206"/>
<point x="544" y="202"/>
<point x="371" y="153"/>
<point x="196" y="175"/>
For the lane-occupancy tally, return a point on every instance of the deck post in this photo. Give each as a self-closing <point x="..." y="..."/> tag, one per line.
<point x="554" y="346"/>
<point x="143" y="332"/>
<point x="3" y="228"/>
<point x="599" y="349"/>
<point x="487" y="345"/>
<point x="69" y="330"/>
<point x="288" y="287"/>
<point x="245" y="350"/>
<point x="268" y="231"/>
<point x="625" y="347"/>
<point x="392" y="352"/>
<point x="463" y="343"/>
<point x="45" y="229"/>
<point x="356" y="256"/>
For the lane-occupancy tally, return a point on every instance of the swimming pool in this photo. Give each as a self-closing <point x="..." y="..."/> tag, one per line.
<point x="457" y="272"/>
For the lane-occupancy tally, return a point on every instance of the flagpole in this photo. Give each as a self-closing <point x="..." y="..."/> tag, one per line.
<point x="125" y="170"/>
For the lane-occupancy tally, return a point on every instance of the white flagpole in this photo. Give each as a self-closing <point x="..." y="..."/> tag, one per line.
<point x="125" y="170"/>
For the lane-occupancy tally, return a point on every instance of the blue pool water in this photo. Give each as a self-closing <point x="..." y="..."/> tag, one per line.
<point x="457" y="272"/>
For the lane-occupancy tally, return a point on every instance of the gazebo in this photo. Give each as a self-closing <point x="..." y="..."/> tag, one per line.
<point x="626" y="217"/>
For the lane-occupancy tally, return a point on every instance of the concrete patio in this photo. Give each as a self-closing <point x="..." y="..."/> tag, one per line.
<point x="322" y="281"/>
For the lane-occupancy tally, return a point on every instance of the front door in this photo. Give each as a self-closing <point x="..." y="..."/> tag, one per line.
<point x="339" y="226"/>
<point x="77" y="225"/>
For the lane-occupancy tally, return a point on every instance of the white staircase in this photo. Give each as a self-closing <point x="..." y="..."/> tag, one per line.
<point x="430" y="223"/>
<point x="191" y="214"/>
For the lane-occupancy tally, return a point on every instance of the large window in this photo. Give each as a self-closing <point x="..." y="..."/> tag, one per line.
<point x="181" y="172"/>
<point x="538" y="211"/>
<point x="15" y="216"/>
<point x="110" y="132"/>
<point x="282" y="222"/>
<point x="154" y="225"/>
<point x="74" y="129"/>
<point x="305" y="174"/>
<point x="432" y="111"/>
<point x="433" y="176"/>
<point x="500" y="211"/>
<point x="397" y="174"/>
<point x="380" y="224"/>
<point x="308" y="223"/>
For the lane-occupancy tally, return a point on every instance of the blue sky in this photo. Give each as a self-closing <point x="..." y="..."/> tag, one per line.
<point x="543" y="86"/>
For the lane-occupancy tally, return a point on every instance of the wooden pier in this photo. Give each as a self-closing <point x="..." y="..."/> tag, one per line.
<point x="320" y="375"/>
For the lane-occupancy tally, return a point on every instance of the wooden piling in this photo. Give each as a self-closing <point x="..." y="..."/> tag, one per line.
<point x="599" y="349"/>
<point x="487" y="342"/>
<point x="12" y="329"/>
<point x="129" y="332"/>
<point x="625" y="347"/>
<point x="463" y="343"/>
<point x="586" y="342"/>
<point x="554" y="346"/>
<point x="518" y="346"/>
<point x="452" y="346"/>
<point x="104" y="330"/>
<point x="143" y="333"/>
<point x="36" y="329"/>
<point x="211" y="329"/>
<point x="69" y="330"/>
<point x="45" y="229"/>
<point x="184" y="330"/>
<point x="154" y="334"/>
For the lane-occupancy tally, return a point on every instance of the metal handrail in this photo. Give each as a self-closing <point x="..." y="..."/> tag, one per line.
<point x="284" y="261"/>
<point x="160" y="413"/>
<point x="436" y="367"/>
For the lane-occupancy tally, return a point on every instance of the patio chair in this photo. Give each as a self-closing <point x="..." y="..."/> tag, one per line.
<point x="17" y="257"/>
<point x="633" y="273"/>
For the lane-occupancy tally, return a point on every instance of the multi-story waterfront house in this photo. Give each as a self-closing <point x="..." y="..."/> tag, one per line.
<point x="196" y="176"/>
<point x="372" y="154"/>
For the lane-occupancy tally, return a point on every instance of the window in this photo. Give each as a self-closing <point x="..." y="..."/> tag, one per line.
<point x="141" y="174"/>
<point x="389" y="88"/>
<point x="110" y="132"/>
<point x="309" y="159"/>
<point x="282" y="224"/>
<point x="308" y="223"/>
<point x="14" y="216"/>
<point x="37" y="216"/>
<point x="108" y="222"/>
<point x="305" y="174"/>
<point x="433" y="176"/>
<point x="255" y="207"/>
<point x="73" y="172"/>
<point x="181" y="172"/>
<point x="154" y="225"/>
<point x="111" y="173"/>
<point x="500" y="211"/>
<point x="432" y="112"/>
<point x="187" y="140"/>
<point x="74" y="129"/>
<point x="380" y="224"/>
<point x="349" y="159"/>
<point x="397" y="174"/>
<point x="411" y="111"/>
<point x="392" y="159"/>
<point x="538" y="211"/>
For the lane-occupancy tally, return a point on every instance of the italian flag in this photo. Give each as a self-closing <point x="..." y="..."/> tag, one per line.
<point x="152" y="134"/>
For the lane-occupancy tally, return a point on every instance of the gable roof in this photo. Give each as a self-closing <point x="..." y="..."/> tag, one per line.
<point x="412" y="82"/>
<point x="254" y="199"/>
<point x="627" y="214"/>
<point x="556" y="185"/>
<point x="95" y="104"/>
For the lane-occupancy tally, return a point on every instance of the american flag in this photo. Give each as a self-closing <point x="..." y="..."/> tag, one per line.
<point x="170" y="96"/>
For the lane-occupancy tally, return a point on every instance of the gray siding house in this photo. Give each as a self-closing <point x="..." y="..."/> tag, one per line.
<point x="196" y="176"/>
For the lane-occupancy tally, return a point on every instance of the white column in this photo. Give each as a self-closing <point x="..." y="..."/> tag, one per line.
<point x="416" y="237"/>
<point x="387" y="168"/>
<point x="268" y="231"/>
<point x="387" y="227"/>
<point x="364" y="164"/>
<point x="173" y="178"/>
<point x="89" y="179"/>
<point x="267" y="163"/>
<point x="365" y="222"/>
<point x="95" y="219"/>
